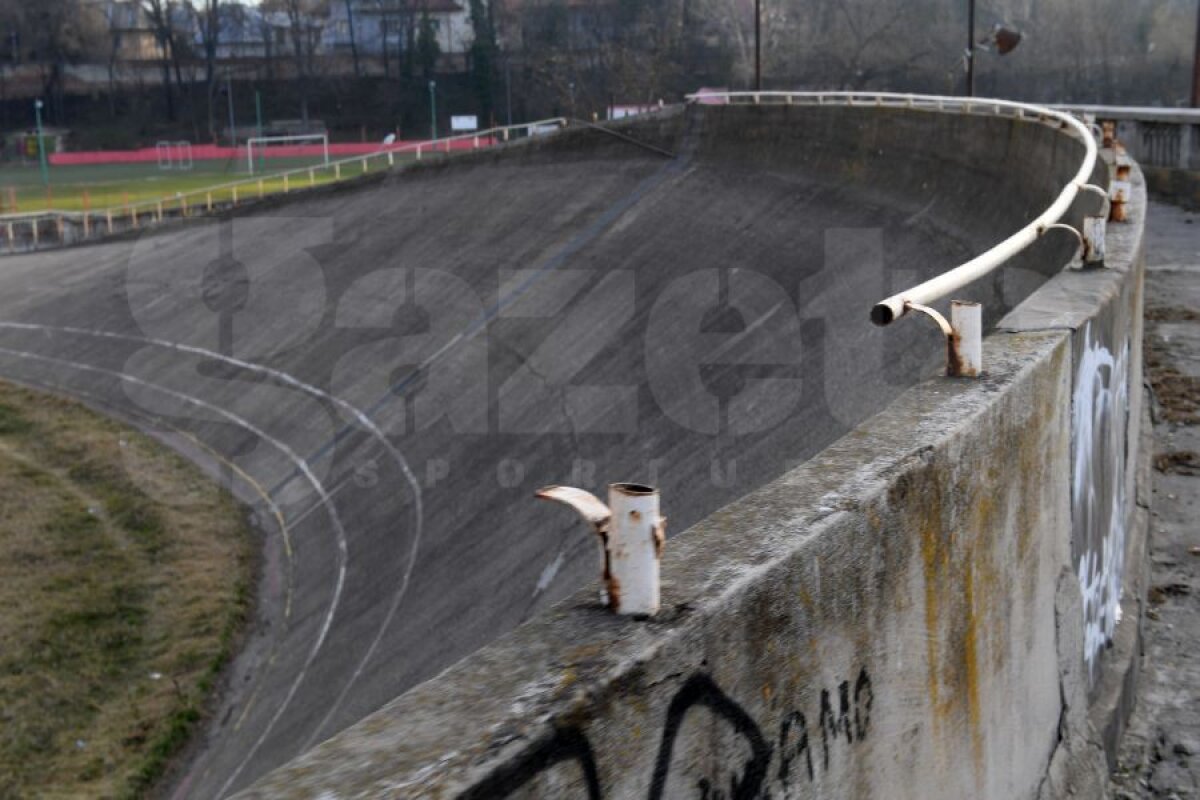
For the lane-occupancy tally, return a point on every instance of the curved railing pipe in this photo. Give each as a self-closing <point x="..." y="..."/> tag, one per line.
<point x="889" y="309"/>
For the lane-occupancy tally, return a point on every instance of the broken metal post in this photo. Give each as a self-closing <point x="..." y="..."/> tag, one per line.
<point x="1119" y="194"/>
<point x="967" y="321"/>
<point x="631" y="532"/>
<point x="1094" y="231"/>
<point x="964" y="336"/>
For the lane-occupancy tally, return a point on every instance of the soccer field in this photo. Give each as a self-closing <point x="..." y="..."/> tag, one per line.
<point x="99" y="186"/>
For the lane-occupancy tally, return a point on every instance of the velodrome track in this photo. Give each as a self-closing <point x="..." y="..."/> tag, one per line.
<point x="385" y="373"/>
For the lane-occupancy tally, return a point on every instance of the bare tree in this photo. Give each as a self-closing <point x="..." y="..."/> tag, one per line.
<point x="353" y="36"/>
<point x="303" y="32"/>
<point x="58" y="33"/>
<point x="158" y="14"/>
<point x="207" y="14"/>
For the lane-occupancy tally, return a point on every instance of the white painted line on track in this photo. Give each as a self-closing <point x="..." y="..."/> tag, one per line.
<point x="358" y="414"/>
<point x="300" y="464"/>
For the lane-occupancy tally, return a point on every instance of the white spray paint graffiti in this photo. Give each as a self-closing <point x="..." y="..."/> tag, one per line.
<point x="1100" y="419"/>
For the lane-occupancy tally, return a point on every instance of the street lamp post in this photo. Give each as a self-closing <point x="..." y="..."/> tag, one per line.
<point x="970" y="48"/>
<point x="758" y="45"/>
<point x="37" y="112"/>
<point x="1196" y="66"/>
<point x="508" y="86"/>
<point x="433" y="109"/>
<point x="258" y="127"/>
<point x="229" y="104"/>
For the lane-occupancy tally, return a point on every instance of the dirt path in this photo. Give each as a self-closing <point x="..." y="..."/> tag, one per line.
<point x="1160" y="755"/>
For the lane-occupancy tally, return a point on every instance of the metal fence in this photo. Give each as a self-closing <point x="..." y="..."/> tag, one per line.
<point x="53" y="228"/>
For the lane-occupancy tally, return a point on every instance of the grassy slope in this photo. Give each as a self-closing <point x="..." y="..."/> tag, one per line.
<point x="124" y="575"/>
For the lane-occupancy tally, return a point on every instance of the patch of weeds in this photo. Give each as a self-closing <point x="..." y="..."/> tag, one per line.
<point x="1179" y="462"/>
<point x="1171" y="314"/>
<point x="12" y="422"/>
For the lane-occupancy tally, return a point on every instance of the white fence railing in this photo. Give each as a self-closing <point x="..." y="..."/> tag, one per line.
<point x="34" y="230"/>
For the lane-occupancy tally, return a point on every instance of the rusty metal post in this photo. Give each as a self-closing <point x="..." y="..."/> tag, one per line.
<point x="963" y="334"/>
<point x="966" y="319"/>
<point x="1094" y="231"/>
<point x="1119" y="194"/>
<point x="632" y="534"/>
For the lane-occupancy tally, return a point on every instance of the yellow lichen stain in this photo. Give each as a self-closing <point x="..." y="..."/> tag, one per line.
<point x="805" y="598"/>
<point x="569" y="676"/>
<point x="766" y="693"/>
<point x="874" y="520"/>
<point x="930" y="545"/>
<point x="971" y="664"/>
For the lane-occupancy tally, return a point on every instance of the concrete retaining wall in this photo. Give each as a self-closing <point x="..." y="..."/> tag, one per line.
<point x="920" y="611"/>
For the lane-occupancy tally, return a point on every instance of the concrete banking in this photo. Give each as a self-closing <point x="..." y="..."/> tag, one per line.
<point x="943" y="603"/>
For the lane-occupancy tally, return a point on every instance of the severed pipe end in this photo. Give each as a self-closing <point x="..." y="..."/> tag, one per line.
<point x="882" y="314"/>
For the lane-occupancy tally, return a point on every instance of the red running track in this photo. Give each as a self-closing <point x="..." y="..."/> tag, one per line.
<point x="212" y="152"/>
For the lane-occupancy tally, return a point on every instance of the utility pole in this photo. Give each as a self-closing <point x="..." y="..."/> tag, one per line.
<point x="258" y="128"/>
<point x="758" y="45"/>
<point x="433" y="109"/>
<point x="508" y="86"/>
<point x="37" y="111"/>
<point x="1196" y="66"/>
<point x="970" y="48"/>
<point x="229" y="104"/>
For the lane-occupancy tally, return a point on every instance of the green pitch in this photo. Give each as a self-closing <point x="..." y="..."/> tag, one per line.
<point x="96" y="187"/>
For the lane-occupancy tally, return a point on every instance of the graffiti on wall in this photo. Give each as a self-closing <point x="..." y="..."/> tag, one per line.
<point x="749" y="763"/>
<point x="1100" y="412"/>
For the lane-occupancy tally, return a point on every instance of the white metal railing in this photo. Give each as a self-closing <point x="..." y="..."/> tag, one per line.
<point x="918" y="297"/>
<point x="127" y="216"/>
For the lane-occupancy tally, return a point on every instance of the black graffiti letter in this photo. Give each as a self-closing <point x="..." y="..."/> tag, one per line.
<point x="565" y="744"/>
<point x="700" y="690"/>
<point x="844" y="699"/>
<point x="796" y="719"/>
<point x="862" y="706"/>
<point x="832" y="725"/>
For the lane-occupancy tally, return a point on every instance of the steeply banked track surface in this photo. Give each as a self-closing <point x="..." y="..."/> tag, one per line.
<point x="387" y="372"/>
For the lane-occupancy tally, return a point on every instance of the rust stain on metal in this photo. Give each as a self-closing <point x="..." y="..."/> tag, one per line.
<point x="660" y="537"/>
<point x="1108" y="130"/>
<point x="611" y="585"/>
<point x="954" y="362"/>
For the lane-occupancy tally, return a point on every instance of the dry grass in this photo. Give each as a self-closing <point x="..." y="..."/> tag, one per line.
<point x="124" y="576"/>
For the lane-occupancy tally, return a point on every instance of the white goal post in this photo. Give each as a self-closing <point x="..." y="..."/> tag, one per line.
<point x="323" y="138"/>
<point x="174" y="155"/>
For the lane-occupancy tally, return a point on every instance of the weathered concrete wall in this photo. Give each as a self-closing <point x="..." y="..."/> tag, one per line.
<point x="918" y="611"/>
